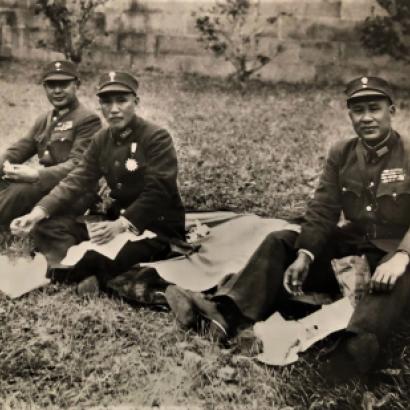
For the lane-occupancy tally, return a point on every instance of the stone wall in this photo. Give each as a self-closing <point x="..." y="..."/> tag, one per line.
<point x="319" y="39"/>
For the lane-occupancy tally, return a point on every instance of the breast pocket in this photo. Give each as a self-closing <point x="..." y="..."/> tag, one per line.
<point x="60" y="145"/>
<point x="393" y="200"/>
<point x="352" y="198"/>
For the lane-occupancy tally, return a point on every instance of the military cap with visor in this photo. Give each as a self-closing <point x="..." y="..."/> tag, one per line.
<point x="117" y="82"/>
<point x="60" y="71"/>
<point x="366" y="87"/>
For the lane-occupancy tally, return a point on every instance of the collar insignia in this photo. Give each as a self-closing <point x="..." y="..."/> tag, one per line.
<point x="125" y="133"/>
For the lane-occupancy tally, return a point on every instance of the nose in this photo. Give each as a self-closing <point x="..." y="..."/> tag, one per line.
<point x="57" y="89"/>
<point x="114" y="107"/>
<point x="367" y="116"/>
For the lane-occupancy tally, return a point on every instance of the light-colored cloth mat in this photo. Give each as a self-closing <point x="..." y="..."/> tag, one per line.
<point x="225" y="250"/>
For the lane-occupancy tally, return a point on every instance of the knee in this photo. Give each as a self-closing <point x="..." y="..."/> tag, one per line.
<point x="21" y="191"/>
<point x="51" y="228"/>
<point x="43" y="226"/>
<point x="275" y="240"/>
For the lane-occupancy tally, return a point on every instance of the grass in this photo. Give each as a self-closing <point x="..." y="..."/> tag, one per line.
<point x="259" y="151"/>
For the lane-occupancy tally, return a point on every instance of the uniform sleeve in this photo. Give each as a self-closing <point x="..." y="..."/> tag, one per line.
<point x="159" y="182"/>
<point x="24" y="148"/>
<point x="80" y="180"/>
<point x="404" y="245"/>
<point x="324" y="209"/>
<point x="50" y="176"/>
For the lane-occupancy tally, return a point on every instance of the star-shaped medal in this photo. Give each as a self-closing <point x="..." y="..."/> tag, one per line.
<point x="131" y="164"/>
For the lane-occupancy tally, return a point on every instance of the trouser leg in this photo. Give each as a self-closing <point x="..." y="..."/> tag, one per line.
<point x="258" y="287"/>
<point x="258" y="291"/>
<point x="53" y="237"/>
<point x="379" y="313"/>
<point x="93" y="263"/>
<point x="17" y="199"/>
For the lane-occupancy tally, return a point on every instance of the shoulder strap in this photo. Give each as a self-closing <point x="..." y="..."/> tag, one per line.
<point x="406" y="147"/>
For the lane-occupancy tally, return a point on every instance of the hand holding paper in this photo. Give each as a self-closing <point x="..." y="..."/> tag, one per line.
<point x="105" y="231"/>
<point x="109" y="249"/>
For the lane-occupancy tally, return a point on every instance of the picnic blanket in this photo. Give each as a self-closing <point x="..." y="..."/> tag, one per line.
<point x="231" y="241"/>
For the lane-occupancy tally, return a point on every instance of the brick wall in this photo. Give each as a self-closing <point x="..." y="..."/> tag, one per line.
<point x="320" y="40"/>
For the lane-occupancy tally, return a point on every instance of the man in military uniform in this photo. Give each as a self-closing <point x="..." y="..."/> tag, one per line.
<point x="139" y="163"/>
<point x="368" y="178"/>
<point x="58" y="137"/>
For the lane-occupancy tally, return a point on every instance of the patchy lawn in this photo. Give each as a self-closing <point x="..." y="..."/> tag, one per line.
<point x="258" y="151"/>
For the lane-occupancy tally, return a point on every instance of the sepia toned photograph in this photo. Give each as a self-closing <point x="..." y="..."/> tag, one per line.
<point x="204" y="204"/>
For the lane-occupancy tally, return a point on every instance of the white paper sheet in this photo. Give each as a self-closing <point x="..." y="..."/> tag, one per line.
<point x="20" y="275"/>
<point x="109" y="249"/>
<point x="284" y="339"/>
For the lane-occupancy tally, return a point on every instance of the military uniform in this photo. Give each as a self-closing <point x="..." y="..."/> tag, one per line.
<point x="59" y="138"/>
<point x="378" y="224"/>
<point x="139" y="164"/>
<point x="371" y="186"/>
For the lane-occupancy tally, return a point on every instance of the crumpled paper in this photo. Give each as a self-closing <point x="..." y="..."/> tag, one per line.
<point x="284" y="339"/>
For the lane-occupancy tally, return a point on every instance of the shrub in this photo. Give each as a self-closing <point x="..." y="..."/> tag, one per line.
<point x="232" y="29"/>
<point x="389" y="34"/>
<point x="70" y="20"/>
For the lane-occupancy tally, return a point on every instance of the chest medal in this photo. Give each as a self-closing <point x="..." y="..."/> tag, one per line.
<point x="131" y="163"/>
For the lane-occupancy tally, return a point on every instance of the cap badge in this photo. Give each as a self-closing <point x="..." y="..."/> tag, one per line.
<point x="111" y="74"/>
<point x="364" y="81"/>
<point x="58" y="66"/>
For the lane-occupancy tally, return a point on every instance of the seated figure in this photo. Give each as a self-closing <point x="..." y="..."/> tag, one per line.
<point x="138" y="161"/>
<point x="59" y="138"/>
<point x="366" y="177"/>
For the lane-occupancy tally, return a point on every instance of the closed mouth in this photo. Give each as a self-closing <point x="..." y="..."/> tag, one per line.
<point x="369" y="129"/>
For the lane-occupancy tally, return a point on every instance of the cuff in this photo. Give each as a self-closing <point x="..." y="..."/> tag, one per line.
<point x="308" y="253"/>
<point x="44" y="210"/>
<point x="128" y="225"/>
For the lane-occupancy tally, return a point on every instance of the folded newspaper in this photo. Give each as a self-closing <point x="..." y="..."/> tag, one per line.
<point x="284" y="339"/>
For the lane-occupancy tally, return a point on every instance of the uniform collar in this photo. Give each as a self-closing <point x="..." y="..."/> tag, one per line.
<point x="374" y="153"/>
<point x="124" y="135"/>
<point x="64" y="111"/>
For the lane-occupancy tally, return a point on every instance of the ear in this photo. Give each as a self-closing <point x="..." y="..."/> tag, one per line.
<point x="392" y="109"/>
<point x="137" y="100"/>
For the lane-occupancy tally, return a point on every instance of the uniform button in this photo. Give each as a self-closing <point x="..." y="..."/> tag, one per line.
<point x="368" y="208"/>
<point x="119" y="185"/>
<point x="122" y="211"/>
<point x="46" y="152"/>
<point x="371" y="185"/>
<point x="117" y="163"/>
<point x="344" y="189"/>
<point x="394" y="195"/>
